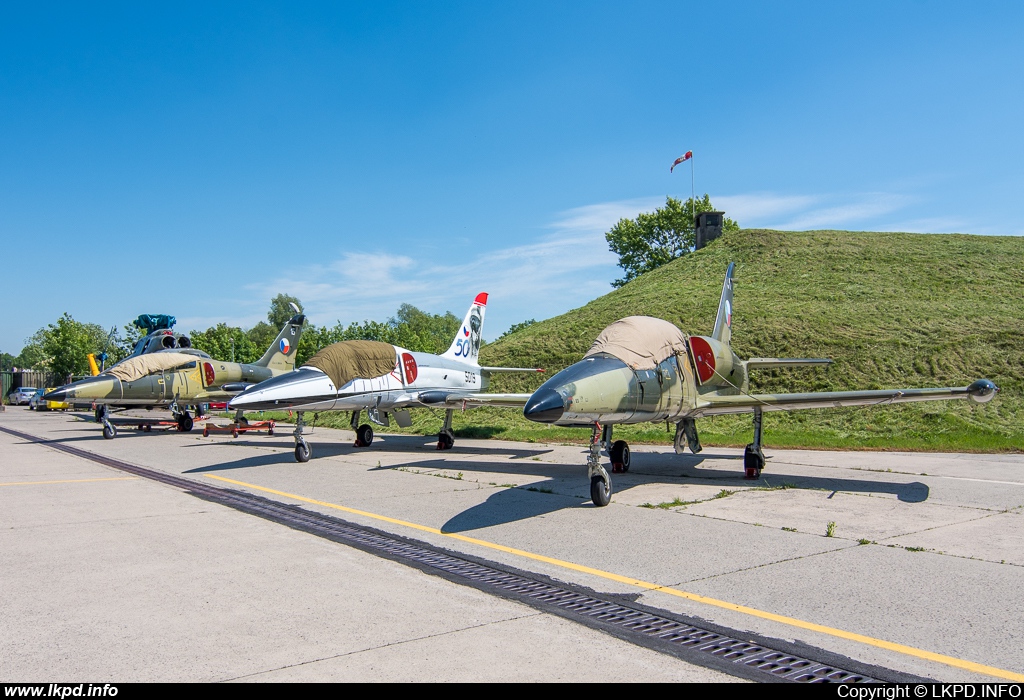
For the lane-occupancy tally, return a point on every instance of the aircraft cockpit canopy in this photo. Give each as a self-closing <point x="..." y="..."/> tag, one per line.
<point x="641" y="342"/>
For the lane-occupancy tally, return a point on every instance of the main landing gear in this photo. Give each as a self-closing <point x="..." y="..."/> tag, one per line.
<point x="753" y="457"/>
<point x="446" y="436"/>
<point x="618" y="451"/>
<point x="302" y="451"/>
<point x="185" y="422"/>
<point x="364" y="433"/>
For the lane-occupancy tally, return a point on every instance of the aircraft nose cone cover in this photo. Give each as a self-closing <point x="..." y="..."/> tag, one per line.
<point x="60" y="394"/>
<point x="93" y="388"/>
<point x="545" y="406"/>
<point x="304" y="386"/>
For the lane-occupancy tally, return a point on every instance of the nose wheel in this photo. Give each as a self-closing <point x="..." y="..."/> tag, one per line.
<point x="600" y="482"/>
<point x="302" y="450"/>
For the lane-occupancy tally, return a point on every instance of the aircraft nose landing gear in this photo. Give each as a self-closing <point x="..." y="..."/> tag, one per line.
<point x="302" y="451"/>
<point x="753" y="457"/>
<point x="600" y="482"/>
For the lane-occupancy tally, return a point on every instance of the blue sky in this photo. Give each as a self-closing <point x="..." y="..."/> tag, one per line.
<point x="198" y="159"/>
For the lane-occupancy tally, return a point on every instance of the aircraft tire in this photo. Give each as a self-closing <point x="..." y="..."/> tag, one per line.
<point x="753" y="463"/>
<point x="445" y="441"/>
<point x="185" y="423"/>
<point x="364" y="435"/>
<point x="109" y="432"/>
<point x="600" y="491"/>
<point x="302" y="452"/>
<point x="620" y="456"/>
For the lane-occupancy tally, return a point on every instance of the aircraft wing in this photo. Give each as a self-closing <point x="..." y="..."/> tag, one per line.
<point x="458" y="398"/>
<point x="714" y="405"/>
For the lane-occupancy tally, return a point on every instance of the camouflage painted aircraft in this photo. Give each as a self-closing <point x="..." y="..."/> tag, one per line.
<point x="382" y="379"/>
<point x="643" y="369"/>
<point x="178" y="377"/>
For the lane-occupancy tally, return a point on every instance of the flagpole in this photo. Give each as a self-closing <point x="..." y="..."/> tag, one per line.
<point x="693" y="201"/>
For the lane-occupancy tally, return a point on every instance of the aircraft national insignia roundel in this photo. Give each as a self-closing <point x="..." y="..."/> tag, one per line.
<point x="285" y="346"/>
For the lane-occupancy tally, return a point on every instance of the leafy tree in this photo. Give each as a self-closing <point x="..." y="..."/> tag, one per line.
<point x="655" y="238"/>
<point x="66" y="344"/>
<point x="224" y="342"/>
<point x="7" y="362"/>
<point x="423" y="332"/>
<point x="516" y="327"/>
<point x="280" y="311"/>
<point x="262" y="335"/>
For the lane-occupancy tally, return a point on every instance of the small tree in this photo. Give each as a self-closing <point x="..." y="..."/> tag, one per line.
<point x="67" y="343"/>
<point x="653" y="239"/>
<point x="281" y="310"/>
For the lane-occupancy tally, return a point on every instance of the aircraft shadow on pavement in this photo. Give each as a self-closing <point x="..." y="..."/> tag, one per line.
<point x="509" y="505"/>
<point x="391" y="443"/>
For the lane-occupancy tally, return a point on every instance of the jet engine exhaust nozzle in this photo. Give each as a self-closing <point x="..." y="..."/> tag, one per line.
<point x="545" y="406"/>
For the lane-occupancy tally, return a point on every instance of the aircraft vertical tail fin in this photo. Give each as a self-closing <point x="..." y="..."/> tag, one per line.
<point x="723" y="322"/>
<point x="466" y="345"/>
<point x="281" y="353"/>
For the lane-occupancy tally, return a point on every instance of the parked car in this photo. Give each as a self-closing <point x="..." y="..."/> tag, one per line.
<point x="21" y="395"/>
<point x="34" y="402"/>
<point x="41" y="405"/>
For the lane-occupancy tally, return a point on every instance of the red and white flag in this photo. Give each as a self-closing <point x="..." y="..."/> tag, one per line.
<point x="681" y="159"/>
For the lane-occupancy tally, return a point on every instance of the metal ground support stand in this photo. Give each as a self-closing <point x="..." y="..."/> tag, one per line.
<point x="446" y="437"/>
<point x="686" y="431"/>
<point x="302" y="450"/>
<point x="600" y="482"/>
<point x="753" y="457"/>
<point x="244" y="427"/>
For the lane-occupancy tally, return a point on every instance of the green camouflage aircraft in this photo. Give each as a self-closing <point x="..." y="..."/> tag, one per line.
<point x="643" y="369"/>
<point x="179" y="377"/>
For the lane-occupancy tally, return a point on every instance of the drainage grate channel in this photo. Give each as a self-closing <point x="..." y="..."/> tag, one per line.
<point x="741" y="657"/>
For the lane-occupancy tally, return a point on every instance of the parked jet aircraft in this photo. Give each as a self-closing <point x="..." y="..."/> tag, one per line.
<point x="178" y="377"/>
<point x="644" y="369"/>
<point x="382" y="379"/>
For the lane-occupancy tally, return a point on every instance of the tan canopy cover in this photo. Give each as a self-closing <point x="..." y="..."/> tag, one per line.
<point x="138" y="367"/>
<point x="354" y="359"/>
<point x="640" y="341"/>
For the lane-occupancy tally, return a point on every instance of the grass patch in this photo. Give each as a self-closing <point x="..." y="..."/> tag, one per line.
<point x="830" y="529"/>
<point x="789" y="529"/>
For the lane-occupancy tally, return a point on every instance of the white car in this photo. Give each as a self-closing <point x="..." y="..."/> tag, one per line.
<point x="21" y="396"/>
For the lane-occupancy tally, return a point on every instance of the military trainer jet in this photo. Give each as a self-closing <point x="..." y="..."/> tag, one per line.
<point x="644" y="369"/>
<point x="383" y="380"/>
<point x="178" y="377"/>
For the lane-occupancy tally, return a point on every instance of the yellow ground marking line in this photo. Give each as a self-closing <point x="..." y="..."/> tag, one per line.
<point x="754" y="612"/>
<point x="67" y="481"/>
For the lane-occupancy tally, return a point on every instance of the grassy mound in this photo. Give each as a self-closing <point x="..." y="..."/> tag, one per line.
<point x="892" y="310"/>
